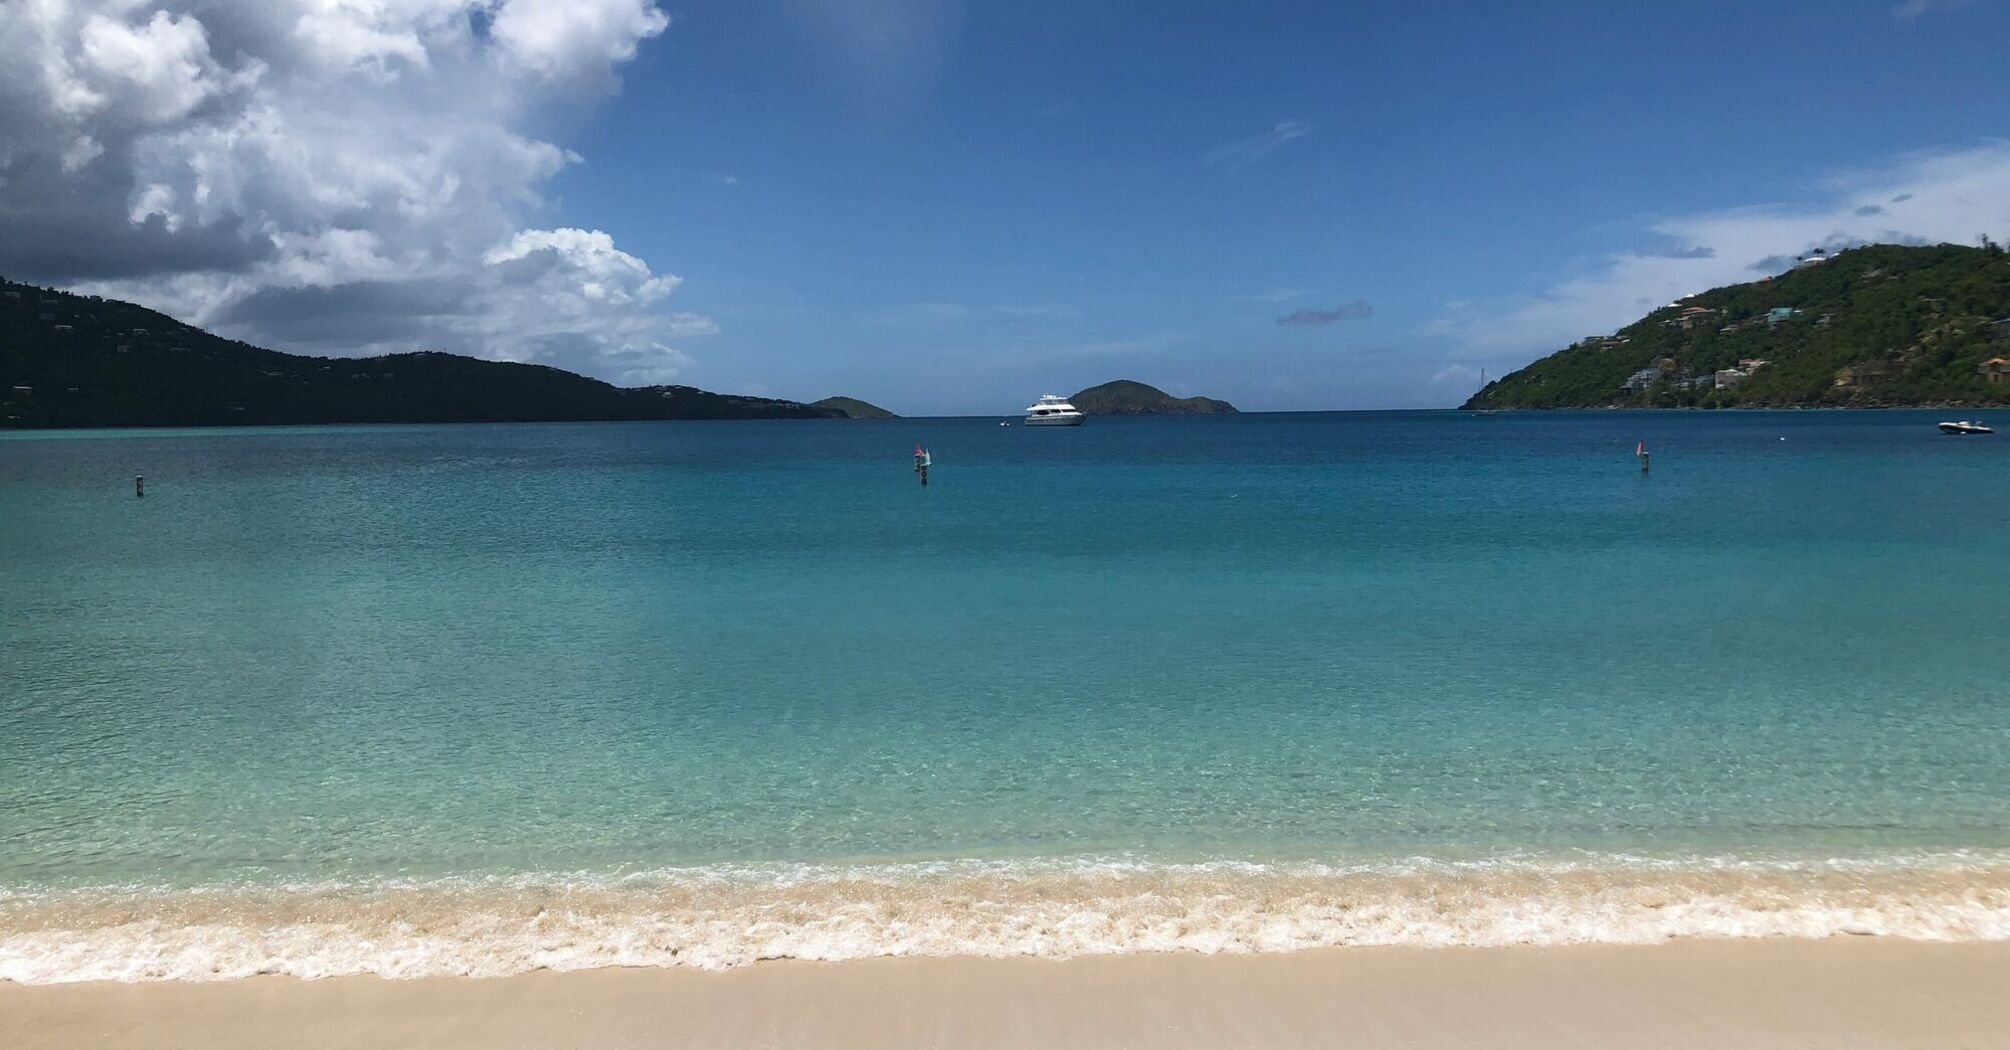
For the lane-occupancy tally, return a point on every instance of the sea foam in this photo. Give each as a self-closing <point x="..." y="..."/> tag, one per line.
<point x="720" y="917"/>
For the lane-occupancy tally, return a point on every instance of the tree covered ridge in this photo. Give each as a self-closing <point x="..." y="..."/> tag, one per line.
<point x="1877" y="326"/>
<point x="82" y="361"/>
<point x="1128" y="397"/>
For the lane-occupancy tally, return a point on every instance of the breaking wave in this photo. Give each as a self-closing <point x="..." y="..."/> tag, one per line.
<point x="720" y="917"/>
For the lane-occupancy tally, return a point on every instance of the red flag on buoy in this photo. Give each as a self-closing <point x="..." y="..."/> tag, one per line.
<point x="1640" y="449"/>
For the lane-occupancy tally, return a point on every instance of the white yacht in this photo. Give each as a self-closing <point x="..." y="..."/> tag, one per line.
<point x="1053" y="411"/>
<point x="1965" y="427"/>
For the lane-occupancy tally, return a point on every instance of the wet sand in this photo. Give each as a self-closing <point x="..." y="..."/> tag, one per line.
<point x="1847" y="992"/>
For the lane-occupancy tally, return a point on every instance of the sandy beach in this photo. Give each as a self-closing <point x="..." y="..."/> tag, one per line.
<point x="1854" y="992"/>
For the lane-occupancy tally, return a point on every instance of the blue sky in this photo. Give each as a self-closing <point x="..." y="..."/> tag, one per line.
<point x="950" y="208"/>
<point x="953" y="213"/>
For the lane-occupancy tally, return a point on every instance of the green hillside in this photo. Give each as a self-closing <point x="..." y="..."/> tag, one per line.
<point x="1879" y="326"/>
<point x="81" y="361"/>
<point x="853" y="408"/>
<point x="1127" y="397"/>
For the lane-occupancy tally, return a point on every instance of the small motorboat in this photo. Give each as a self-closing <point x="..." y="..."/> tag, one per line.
<point x="1004" y="422"/>
<point x="1965" y="426"/>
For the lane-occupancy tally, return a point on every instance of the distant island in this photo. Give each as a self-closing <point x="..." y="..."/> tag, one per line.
<point x="82" y="361"/>
<point x="1883" y="326"/>
<point x="853" y="408"/>
<point x="1127" y="397"/>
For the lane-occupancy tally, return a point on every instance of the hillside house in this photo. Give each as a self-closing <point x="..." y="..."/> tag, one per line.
<point x="1729" y="378"/>
<point x="1781" y="313"/>
<point x="1643" y="379"/>
<point x="1752" y="364"/>
<point x="1995" y="370"/>
<point x="1692" y="316"/>
<point x="1812" y="258"/>
<point x="1864" y="373"/>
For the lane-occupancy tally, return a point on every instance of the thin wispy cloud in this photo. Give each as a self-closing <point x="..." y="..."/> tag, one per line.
<point x="935" y="313"/>
<point x="1240" y="154"/>
<point x="1911" y="10"/>
<point x="1357" y="310"/>
<point x="1109" y="348"/>
<point x="923" y="314"/>
<point x="1030" y="312"/>
<point x="1946" y="197"/>
<point x="879" y="51"/>
<point x="1457" y="375"/>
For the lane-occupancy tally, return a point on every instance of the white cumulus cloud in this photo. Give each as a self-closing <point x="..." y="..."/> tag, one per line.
<point x="346" y="176"/>
<point x="573" y="38"/>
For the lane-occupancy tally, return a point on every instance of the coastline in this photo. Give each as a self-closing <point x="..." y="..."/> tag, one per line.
<point x="720" y="918"/>
<point x="1833" y="993"/>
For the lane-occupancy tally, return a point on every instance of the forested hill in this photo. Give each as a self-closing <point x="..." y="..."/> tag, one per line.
<point x="1128" y="397"/>
<point x="853" y="408"/>
<point x="81" y="361"/>
<point x="1879" y="326"/>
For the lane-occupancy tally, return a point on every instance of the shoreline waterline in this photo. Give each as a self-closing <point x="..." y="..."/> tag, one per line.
<point x="728" y="917"/>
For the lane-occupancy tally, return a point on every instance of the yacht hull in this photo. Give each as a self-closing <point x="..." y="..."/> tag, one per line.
<point x="1054" y="421"/>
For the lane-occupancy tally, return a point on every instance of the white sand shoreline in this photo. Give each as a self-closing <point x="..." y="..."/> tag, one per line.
<point x="1839" y="992"/>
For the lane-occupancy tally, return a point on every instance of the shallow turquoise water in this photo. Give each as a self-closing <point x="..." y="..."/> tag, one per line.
<point x="412" y="653"/>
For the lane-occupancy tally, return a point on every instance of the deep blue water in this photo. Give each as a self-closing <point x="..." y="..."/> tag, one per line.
<point x="360" y="653"/>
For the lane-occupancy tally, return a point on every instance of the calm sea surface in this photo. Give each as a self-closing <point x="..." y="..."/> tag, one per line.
<point x="474" y="699"/>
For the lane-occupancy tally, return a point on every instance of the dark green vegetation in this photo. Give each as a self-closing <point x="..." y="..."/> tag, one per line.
<point x="853" y="408"/>
<point x="1880" y="326"/>
<point x="1125" y="397"/>
<point x="79" y="361"/>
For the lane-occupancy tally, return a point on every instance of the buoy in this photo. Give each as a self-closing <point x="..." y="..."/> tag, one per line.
<point x="140" y="485"/>
<point x="1641" y="451"/>
<point x="921" y="462"/>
